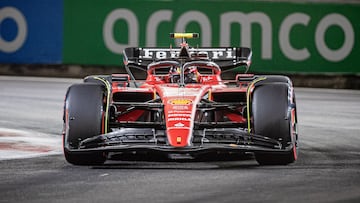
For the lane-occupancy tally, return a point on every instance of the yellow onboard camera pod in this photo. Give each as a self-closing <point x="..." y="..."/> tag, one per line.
<point x="184" y="35"/>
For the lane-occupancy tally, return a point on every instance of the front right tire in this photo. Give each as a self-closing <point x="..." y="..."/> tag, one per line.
<point x="83" y="116"/>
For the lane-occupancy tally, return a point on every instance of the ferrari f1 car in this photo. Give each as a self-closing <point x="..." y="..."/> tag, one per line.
<point x="183" y="108"/>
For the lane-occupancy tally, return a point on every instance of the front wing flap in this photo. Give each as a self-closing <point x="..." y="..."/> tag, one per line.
<point x="207" y="140"/>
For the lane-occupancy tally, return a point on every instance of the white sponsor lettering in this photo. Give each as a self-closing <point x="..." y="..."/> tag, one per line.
<point x="179" y="115"/>
<point x="161" y="55"/>
<point x="153" y="23"/>
<point x="227" y="19"/>
<point x="179" y="119"/>
<point x="180" y="107"/>
<point x="245" y="20"/>
<point x="216" y="54"/>
<point x="174" y="54"/>
<point x="179" y="124"/>
<point x="179" y="112"/>
<point x="19" y="40"/>
<point x="108" y="30"/>
<point x="148" y="53"/>
<point x="345" y="25"/>
<point x="284" y="37"/>
<point x="201" y="19"/>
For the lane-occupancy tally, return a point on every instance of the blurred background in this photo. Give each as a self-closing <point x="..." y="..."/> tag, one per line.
<point x="315" y="42"/>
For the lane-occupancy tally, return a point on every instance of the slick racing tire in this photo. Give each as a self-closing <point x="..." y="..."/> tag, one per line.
<point x="274" y="79"/>
<point x="83" y="116"/>
<point x="273" y="118"/>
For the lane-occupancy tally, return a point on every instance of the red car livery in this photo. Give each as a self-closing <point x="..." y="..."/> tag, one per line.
<point x="183" y="108"/>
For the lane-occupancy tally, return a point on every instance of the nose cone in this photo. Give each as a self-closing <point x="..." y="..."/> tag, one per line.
<point x="180" y="108"/>
<point x="179" y="122"/>
<point x="178" y="137"/>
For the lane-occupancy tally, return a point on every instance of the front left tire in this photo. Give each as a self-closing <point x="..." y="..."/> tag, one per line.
<point x="274" y="113"/>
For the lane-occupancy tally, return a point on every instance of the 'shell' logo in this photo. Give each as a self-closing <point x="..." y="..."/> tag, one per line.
<point x="180" y="101"/>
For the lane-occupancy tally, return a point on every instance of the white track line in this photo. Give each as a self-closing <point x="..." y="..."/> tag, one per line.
<point x="16" y="144"/>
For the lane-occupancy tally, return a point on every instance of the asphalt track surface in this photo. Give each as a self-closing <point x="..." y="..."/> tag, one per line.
<point x="328" y="169"/>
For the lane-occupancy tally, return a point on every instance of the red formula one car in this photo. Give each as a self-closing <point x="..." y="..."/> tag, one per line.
<point x="182" y="109"/>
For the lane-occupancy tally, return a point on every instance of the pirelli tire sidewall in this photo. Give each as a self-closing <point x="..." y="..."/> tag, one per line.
<point x="83" y="119"/>
<point x="272" y="103"/>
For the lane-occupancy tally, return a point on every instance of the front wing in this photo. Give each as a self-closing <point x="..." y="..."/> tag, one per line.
<point x="135" y="140"/>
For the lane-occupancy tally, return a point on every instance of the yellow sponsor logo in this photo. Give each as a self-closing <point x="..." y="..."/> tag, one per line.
<point x="180" y="101"/>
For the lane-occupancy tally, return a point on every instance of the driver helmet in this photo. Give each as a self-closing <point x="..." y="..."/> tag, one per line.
<point x="175" y="74"/>
<point x="191" y="75"/>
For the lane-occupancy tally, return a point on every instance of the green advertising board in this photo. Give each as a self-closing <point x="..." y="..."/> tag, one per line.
<point x="285" y="37"/>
